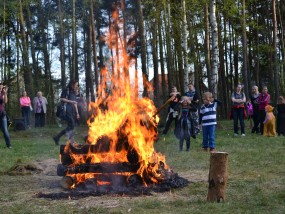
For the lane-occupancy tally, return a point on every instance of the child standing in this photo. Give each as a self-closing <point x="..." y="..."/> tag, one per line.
<point x="184" y="127"/>
<point x="208" y="121"/>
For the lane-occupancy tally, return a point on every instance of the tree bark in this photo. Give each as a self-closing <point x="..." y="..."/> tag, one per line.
<point x="218" y="176"/>
<point x="215" y="49"/>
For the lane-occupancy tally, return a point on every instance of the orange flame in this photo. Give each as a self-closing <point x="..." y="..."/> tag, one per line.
<point x="122" y="125"/>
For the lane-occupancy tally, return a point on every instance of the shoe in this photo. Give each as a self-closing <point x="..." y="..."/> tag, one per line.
<point x="205" y="149"/>
<point x="243" y="135"/>
<point x="9" y="147"/>
<point x="56" y="140"/>
<point x="212" y="150"/>
<point x="235" y="134"/>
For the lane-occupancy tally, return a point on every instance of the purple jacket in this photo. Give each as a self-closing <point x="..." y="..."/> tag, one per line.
<point x="263" y="100"/>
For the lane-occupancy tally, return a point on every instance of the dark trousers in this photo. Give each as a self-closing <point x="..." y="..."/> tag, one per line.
<point x="187" y="144"/>
<point x="39" y="119"/>
<point x="238" y="115"/>
<point x="168" y="123"/>
<point x="26" y="114"/>
<point x="262" y="115"/>
<point x="4" y="129"/>
<point x="255" y="118"/>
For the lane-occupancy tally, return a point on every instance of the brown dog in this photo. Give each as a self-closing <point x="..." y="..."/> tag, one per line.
<point x="269" y="122"/>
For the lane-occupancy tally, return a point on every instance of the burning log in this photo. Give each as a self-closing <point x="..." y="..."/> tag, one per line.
<point x="97" y="168"/>
<point x="218" y="176"/>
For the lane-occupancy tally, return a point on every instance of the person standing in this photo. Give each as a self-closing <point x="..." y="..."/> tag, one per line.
<point x="69" y="97"/>
<point x="184" y="129"/>
<point x="255" y="116"/>
<point x="280" y="124"/>
<point x="40" y="107"/>
<point x="238" y="109"/>
<point x="194" y="97"/>
<point x="25" y="103"/>
<point x="3" y="116"/>
<point x="208" y="121"/>
<point x="173" y="108"/>
<point x="263" y="100"/>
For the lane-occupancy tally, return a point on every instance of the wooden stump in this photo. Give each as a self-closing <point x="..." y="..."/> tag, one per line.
<point x="218" y="176"/>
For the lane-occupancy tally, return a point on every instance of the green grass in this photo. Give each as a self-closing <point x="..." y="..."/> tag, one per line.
<point x="255" y="184"/>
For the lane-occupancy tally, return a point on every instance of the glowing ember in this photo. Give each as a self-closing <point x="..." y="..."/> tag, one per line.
<point x="122" y="129"/>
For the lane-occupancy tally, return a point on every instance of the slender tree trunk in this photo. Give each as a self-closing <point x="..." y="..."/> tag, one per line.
<point x="143" y="47"/>
<point x="74" y="71"/>
<point x="215" y="48"/>
<point x="29" y="86"/>
<point x="61" y="46"/>
<point x="93" y="31"/>
<point x="207" y="45"/>
<point x="245" y="56"/>
<point x="281" y="14"/>
<point x="33" y="54"/>
<point x="274" y="57"/>
<point x="161" y="56"/>
<point x="185" y="48"/>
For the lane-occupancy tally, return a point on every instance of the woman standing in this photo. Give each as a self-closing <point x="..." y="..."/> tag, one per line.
<point x="40" y="106"/>
<point x="281" y="116"/>
<point x="69" y="97"/>
<point x="25" y="103"/>
<point x="238" y="101"/>
<point x="3" y="117"/>
<point x="263" y="100"/>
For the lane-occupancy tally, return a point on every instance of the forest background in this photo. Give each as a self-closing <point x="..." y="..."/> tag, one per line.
<point x="214" y="44"/>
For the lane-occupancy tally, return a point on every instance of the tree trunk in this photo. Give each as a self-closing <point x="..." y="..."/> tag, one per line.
<point x="274" y="54"/>
<point x="207" y="45"/>
<point x="33" y="54"/>
<point x="29" y="86"/>
<point x="218" y="176"/>
<point x="96" y="75"/>
<point x="215" y="49"/>
<point x="143" y="47"/>
<point x="244" y="52"/>
<point x="61" y="46"/>
<point x="74" y="71"/>
<point x="185" y="49"/>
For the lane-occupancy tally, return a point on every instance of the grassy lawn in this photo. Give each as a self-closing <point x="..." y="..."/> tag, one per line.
<point x="255" y="185"/>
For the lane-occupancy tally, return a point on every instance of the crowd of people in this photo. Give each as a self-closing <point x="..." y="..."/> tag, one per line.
<point x="190" y="118"/>
<point x="75" y="109"/>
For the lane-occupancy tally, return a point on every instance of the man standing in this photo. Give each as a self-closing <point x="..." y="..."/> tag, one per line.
<point x="40" y="107"/>
<point x="255" y="105"/>
<point x="194" y="97"/>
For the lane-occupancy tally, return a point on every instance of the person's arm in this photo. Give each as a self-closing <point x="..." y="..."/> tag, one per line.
<point x="5" y="92"/>
<point x="218" y="102"/>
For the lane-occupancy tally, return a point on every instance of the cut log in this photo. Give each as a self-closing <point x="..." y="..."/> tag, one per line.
<point x="67" y="182"/>
<point x="97" y="168"/>
<point x="218" y="176"/>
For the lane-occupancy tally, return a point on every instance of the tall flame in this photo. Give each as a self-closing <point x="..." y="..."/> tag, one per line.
<point x="122" y="125"/>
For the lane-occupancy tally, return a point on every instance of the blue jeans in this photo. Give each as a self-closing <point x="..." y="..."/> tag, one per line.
<point x="238" y="115"/>
<point x="4" y="129"/>
<point x="26" y="115"/>
<point x="209" y="136"/>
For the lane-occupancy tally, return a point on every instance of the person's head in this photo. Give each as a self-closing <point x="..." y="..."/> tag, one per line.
<point x="254" y="89"/>
<point x="264" y="89"/>
<point x="191" y="87"/>
<point x="281" y="100"/>
<point x="185" y="100"/>
<point x="39" y="94"/>
<point x="173" y="89"/>
<point x="238" y="88"/>
<point x="73" y="85"/>
<point x="24" y="94"/>
<point x="207" y="98"/>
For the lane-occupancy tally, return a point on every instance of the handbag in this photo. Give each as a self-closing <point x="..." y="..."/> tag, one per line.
<point x="61" y="110"/>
